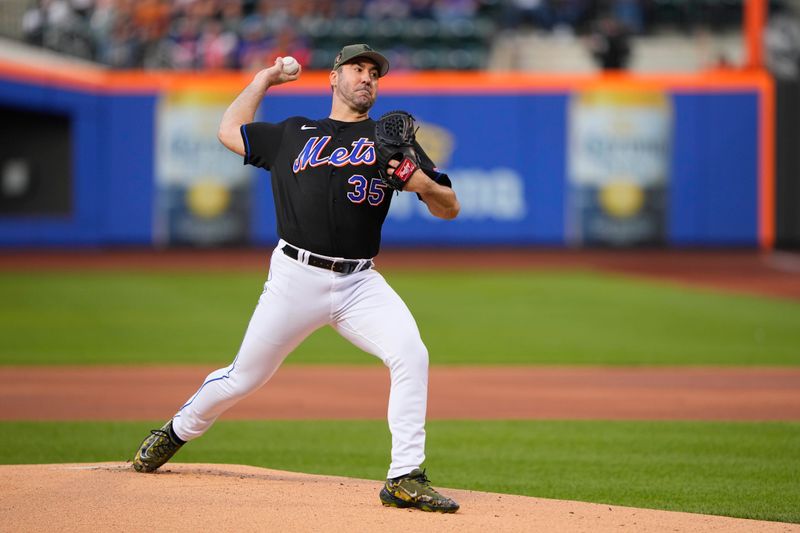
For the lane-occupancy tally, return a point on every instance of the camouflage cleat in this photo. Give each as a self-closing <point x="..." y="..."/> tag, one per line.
<point x="414" y="490"/>
<point x="156" y="449"/>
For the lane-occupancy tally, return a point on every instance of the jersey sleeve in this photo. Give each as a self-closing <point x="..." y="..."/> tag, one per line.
<point x="429" y="168"/>
<point x="262" y="140"/>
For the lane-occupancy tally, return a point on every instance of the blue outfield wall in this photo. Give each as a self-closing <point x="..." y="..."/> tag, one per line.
<point x="714" y="177"/>
<point x="507" y="155"/>
<point x="112" y="168"/>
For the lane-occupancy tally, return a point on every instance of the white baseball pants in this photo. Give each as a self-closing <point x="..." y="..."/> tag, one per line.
<point x="299" y="299"/>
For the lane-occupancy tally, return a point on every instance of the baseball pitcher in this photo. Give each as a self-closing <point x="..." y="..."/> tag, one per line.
<point x="332" y="181"/>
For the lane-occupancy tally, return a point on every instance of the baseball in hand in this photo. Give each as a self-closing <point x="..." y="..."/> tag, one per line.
<point x="290" y="65"/>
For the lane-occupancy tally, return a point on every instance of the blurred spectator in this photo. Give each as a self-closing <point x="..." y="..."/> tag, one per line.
<point x="59" y="16"/>
<point x="101" y="27"/>
<point x="185" y="44"/>
<point x="83" y="8"/>
<point x="523" y="13"/>
<point x="151" y="20"/>
<point x="421" y="9"/>
<point x="33" y="24"/>
<point x="446" y="10"/>
<point x="254" y="45"/>
<point x="630" y="14"/>
<point x="288" y="43"/>
<point x="217" y="47"/>
<point x="60" y="25"/>
<point x="377" y="9"/>
<point x="563" y="15"/>
<point x="610" y="44"/>
<point x="122" y="49"/>
<point x="272" y="15"/>
<point x="782" y="39"/>
<point x="232" y="15"/>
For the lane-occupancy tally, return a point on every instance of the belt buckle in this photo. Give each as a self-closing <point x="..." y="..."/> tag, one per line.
<point x="345" y="266"/>
<point x="342" y="266"/>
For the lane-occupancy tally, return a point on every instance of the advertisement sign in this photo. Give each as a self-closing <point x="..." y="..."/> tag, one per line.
<point x="202" y="189"/>
<point x="619" y="153"/>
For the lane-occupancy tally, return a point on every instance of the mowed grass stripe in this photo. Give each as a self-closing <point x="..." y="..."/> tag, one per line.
<point x="465" y="318"/>
<point x="747" y="470"/>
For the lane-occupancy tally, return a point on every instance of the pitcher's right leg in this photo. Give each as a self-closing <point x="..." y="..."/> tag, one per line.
<point x="293" y="305"/>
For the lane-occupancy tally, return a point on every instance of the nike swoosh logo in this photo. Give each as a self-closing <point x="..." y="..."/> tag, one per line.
<point x="144" y="454"/>
<point x="304" y="127"/>
<point x="412" y="494"/>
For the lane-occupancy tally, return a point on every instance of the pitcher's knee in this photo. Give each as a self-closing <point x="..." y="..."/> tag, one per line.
<point x="237" y="385"/>
<point x="412" y="357"/>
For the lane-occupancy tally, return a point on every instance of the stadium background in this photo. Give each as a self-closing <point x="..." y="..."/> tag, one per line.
<point x="117" y="204"/>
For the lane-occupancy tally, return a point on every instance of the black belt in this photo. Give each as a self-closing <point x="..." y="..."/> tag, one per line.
<point x="342" y="266"/>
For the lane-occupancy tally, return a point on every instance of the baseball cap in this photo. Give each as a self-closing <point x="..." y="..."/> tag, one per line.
<point x="352" y="51"/>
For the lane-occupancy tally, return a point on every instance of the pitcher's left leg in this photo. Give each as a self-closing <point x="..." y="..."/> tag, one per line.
<point x="372" y="316"/>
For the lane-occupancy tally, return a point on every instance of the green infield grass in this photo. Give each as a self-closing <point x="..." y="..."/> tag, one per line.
<point x="747" y="470"/>
<point x="465" y="318"/>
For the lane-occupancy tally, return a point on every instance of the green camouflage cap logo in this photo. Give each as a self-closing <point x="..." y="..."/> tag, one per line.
<point x="352" y="51"/>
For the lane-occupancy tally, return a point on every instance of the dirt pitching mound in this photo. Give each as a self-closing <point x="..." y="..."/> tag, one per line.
<point x="193" y="497"/>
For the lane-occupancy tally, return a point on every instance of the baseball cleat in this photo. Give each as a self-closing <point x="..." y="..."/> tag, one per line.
<point x="414" y="490"/>
<point x="156" y="449"/>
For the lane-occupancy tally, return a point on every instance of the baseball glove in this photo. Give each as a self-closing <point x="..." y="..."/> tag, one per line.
<point x="394" y="139"/>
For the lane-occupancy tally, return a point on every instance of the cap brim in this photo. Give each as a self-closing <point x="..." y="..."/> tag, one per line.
<point x="376" y="57"/>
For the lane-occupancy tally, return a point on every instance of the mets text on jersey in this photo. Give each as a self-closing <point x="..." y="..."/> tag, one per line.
<point x="362" y="153"/>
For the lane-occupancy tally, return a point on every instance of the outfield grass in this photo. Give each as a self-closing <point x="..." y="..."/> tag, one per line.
<point x="747" y="470"/>
<point x="465" y="318"/>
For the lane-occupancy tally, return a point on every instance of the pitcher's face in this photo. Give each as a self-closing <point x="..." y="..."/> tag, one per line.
<point x="356" y="84"/>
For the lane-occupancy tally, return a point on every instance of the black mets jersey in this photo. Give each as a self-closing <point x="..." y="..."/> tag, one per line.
<point x="329" y="198"/>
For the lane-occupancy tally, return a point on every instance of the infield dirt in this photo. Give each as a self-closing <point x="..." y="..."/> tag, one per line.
<point x="193" y="497"/>
<point x="346" y="392"/>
